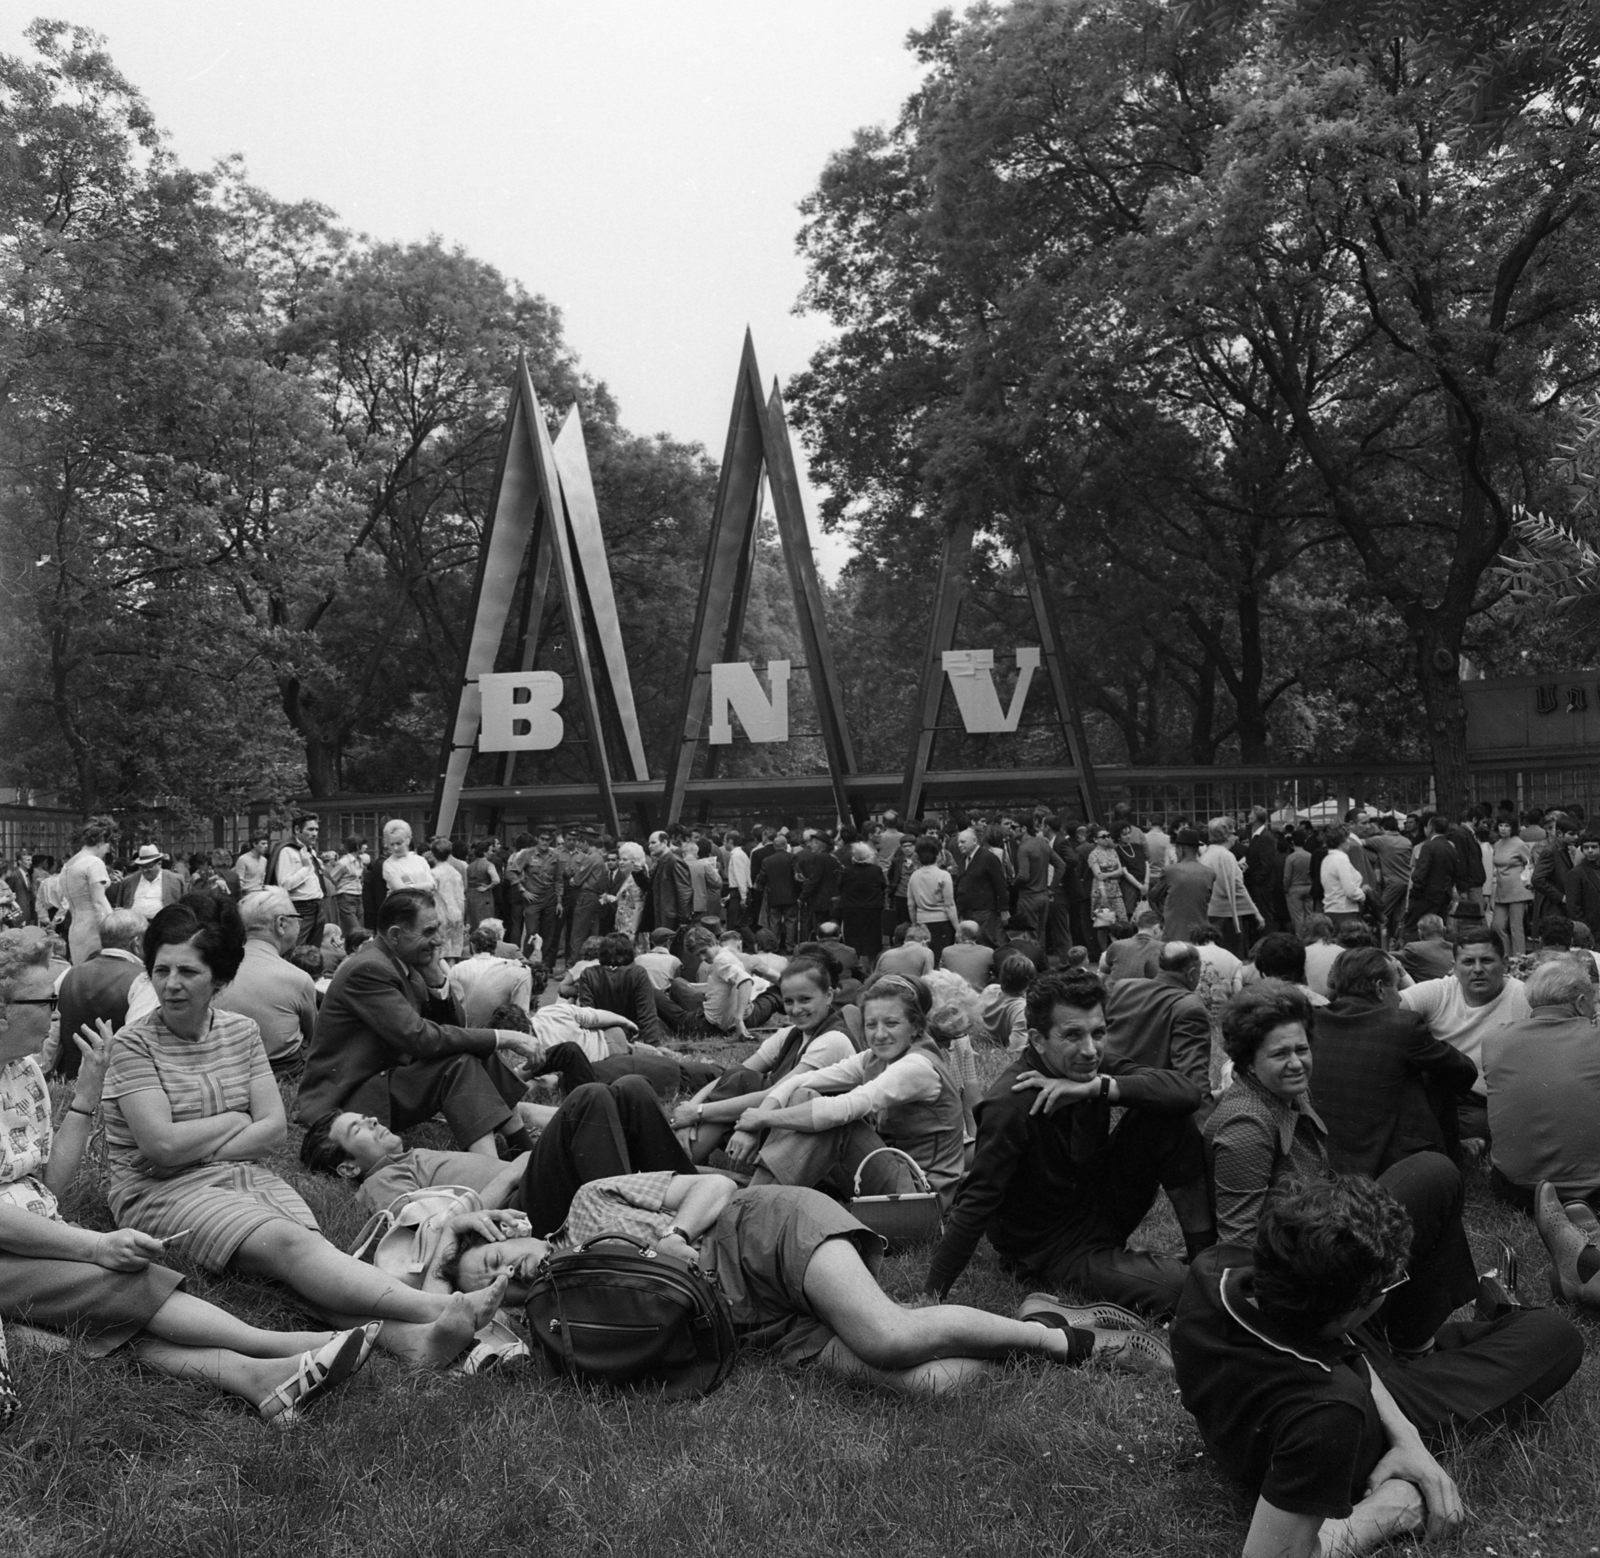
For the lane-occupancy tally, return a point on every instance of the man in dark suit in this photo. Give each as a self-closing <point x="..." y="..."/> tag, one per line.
<point x="1263" y="869"/>
<point x="1378" y="1071"/>
<point x="97" y="991"/>
<point x="149" y="888"/>
<point x="388" y="1041"/>
<point x="780" y="896"/>
<point x="1552" y="868"/>
<point x="982" y="892"/>
<point x="1434" y="877"/>
<point x="1162" y="1022"/>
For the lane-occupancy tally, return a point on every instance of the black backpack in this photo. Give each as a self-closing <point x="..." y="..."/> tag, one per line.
<point x="617" y="1313"/>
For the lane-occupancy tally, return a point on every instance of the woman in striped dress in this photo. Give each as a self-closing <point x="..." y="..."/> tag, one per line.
<point x="191" y="1105"/>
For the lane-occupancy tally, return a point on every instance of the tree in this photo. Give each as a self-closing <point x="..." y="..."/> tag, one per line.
<point x="1250" y="289"/>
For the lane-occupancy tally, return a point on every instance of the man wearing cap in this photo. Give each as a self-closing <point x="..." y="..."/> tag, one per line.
<point x="148" y="888"/>
<point x="298" y="870"/>
<point x="1187" y="883"/>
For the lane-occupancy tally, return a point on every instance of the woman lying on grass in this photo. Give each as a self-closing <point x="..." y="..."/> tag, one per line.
<point x="798" y="1272"/>
<point x="104" y="1287"/>
<point x="191" y="1105"/>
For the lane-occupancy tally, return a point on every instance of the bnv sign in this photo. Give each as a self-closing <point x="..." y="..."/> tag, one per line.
<point x="519" y="707"/>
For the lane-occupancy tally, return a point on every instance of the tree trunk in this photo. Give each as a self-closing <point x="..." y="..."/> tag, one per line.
<point x="1438" y="679"/>
<point x="1251" y="717"/>
<point x="321" y="750"/>
<point x="61" y="702"/>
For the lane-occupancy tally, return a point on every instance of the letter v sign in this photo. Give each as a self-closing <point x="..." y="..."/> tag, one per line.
<point x="971" y="673"/>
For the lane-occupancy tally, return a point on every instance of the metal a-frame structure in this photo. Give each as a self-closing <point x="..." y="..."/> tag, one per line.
<point x="543" y="510"/>
<point x="758" y="444"/>
<point x="954" y="566"/>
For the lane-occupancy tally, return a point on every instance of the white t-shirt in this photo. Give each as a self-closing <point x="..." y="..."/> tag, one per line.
<point x="1461" y="1026"/>
<point x="726" y="1003"/>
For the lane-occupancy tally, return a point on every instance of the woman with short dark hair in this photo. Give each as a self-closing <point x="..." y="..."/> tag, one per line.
<point x="1263" y="1126"/>
<point x="191" y="1106"/>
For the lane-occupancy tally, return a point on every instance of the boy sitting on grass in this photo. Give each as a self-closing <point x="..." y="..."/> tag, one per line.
<point x="1303" y="1401"/>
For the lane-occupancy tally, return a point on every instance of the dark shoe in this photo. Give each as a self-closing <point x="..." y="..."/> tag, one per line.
<point x="1046" y="1309"/>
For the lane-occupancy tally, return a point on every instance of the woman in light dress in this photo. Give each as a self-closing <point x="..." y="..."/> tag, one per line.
<point x="84" y="880"/>
<point x="450" y="893"/>
<point x="403" y="867"/>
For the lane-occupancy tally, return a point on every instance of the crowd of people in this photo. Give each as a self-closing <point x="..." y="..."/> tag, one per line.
<point x="1305" y="1040"/>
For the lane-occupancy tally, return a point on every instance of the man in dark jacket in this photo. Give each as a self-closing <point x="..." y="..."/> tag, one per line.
<point x="1551" y="870"/>
<point x="1161" y="1022"/>
<point x="388" y="1042"/>
<point x="1583" y="885"/>
<point x="780" y="896"/>
<point x="1383" y="1085"/>
<point x="981" y="888"/>
<point x="1055" y="1188"/>
<point x="97" y="991"/>
<point x="1434" y="877"/>
<point x="1263" y="870"/>
<point x="671" y="886"/>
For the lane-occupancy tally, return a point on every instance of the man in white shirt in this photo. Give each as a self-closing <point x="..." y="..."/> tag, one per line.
<point x="1477" y="999"/>
<point x="251" y="866"/>
<point x="738" y="878"/>
<point x="299" y="873"/>
<point x="483" y="982"/>
<point x="151" y="889"/>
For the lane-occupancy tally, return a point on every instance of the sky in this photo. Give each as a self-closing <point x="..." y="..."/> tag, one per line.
<point x="639" y="165"/>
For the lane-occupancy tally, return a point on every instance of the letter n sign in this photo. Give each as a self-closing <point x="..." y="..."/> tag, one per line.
<point x="734" y="689"/>
<point x="519" y="711"/>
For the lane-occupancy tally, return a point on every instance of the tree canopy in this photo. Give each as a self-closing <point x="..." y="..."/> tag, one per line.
<point x="1267" y="326"/>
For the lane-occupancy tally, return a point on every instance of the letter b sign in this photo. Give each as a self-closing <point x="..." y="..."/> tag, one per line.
<point x="519" y="711"/>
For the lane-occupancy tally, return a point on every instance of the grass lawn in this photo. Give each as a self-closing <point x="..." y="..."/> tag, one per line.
<point x="105" y="1458"/>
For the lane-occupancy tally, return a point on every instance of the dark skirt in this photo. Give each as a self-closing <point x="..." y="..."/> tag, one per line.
<point x="103" y="1309"/>
<point x="863" y="930"/>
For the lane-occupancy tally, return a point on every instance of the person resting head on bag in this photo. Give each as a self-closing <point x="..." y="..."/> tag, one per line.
<point x="797" y="1273"/>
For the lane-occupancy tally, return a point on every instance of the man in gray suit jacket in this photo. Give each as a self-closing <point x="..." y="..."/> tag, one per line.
<point x="1162" y="1022"/>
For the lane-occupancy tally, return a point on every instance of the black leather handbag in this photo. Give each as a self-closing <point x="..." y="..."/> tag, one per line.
<point x="618" y="1313"/>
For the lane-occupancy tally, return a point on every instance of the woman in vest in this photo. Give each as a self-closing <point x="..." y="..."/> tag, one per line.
<point x="897" y="1093"/>
<point x="815" y="1038"/>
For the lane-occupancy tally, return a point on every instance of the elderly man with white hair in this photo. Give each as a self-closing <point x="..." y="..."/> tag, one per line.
<point x="1543" y="1076"/>
<point x="278" y="997"/>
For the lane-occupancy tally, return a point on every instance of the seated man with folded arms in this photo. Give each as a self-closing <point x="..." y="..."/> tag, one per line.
<point x="798" y="1272"/>
<point x="1056" y="1188"/>
<point x="1305" y="1403"/>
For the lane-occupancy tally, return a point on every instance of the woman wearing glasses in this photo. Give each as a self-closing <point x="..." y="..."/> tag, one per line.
<point x="1264" y="1130"/>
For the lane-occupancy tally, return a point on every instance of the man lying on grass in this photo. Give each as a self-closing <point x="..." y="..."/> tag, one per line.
<point x="1299" y="1395"/>
<point x="797" y="1270"/>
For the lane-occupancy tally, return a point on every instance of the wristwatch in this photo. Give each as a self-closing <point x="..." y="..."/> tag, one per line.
<point x="682" y="1233"/>
<point x="1105" y="1087"/>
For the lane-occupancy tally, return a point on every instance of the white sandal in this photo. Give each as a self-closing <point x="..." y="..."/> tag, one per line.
<point x="317" y="1373"/>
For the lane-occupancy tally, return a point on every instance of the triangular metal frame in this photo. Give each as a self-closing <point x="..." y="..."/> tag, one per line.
<point x="955" y="561"/>
<point x="758" y="442"/>
<point x="543" y="510"/>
